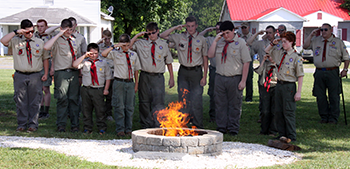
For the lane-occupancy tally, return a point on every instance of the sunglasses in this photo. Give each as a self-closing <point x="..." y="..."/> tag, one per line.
<point x="280" y="30"/>
<point x="243" y="27"/>
<point x="323" y="29"/>
<point x="29" y="32"/>
<point x="149" y="33"/>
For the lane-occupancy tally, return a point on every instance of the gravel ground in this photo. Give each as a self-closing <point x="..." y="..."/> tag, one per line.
<point x="119" y="153"/>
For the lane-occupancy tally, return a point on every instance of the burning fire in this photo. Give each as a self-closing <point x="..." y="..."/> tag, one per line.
<point x="174" y="120"/>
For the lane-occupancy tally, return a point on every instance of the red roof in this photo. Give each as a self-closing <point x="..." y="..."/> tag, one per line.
<point x="254" y="9"/>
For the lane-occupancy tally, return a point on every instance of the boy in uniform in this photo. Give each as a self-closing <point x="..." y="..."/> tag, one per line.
<point x="96" y="81"/>
<point x="103" y="44"/>
<point x="192" y="49"/>
<point x="232" y="66"/>
<point x="28" y="58"/>
<point x="67" y="88"/>
<point x="126" y="66"/>
<point x="154" y="54"/>
<point x="41" y="25"/>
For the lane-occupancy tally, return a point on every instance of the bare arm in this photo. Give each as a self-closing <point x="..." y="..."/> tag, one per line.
<point x="51" y="29"/>
<point x="108" y="83"/>
<point x="207" y="30"/>
<point x="346" y="65"/>
<point x="80" y="59"/>
<point x="269" y="47"/>
<point x="205" y="66"/>
<point x="308" y="39"/>
<point x="46" y="70"/>
<point x="252" y="38"/>
<point x="133" y="40"/>
<point x="6" y="39"/>
<point x="245" y="71"/>
<point x="212" y="48"/>
<point x="165" y="34"/>
<point x="297" y="95"/>
<point x="136" y="74"/>
<point x="171" y="74"/>
<point x="48" y="45"/>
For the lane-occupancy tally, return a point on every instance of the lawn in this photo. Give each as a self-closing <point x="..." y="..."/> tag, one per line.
<point x="323" y="145"/>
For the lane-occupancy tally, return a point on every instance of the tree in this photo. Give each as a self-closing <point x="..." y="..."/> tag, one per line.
<point x="346" y="5"/>
<point x="133" y="15"/>
<point x="207" y="12"/>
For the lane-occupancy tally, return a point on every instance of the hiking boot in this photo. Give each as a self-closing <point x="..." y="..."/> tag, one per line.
<point x="31" y="129"/>
<point x="20" y="129"/>
<point x="121" y="134"/>
<point x="61" y="129"/>
<point x="74" y="129"/>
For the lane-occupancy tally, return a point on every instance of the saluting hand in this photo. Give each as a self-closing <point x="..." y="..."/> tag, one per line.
<point x="218" y="37"/>
<point x="261" y="32"/>
<point x="314" y="32"/>
<point x="179" y="27"/>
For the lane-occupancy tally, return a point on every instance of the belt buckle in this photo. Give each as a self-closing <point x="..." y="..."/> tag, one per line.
<point x="68" y="70"/>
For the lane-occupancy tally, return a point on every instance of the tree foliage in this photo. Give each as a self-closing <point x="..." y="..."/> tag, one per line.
<point x="131" y="16"/>
<point x="346" y="5"/>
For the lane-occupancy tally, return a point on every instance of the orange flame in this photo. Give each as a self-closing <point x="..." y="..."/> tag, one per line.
<point x="175" y="121"/>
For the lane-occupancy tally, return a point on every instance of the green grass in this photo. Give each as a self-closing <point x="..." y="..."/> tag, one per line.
<point x="323" y="145"/>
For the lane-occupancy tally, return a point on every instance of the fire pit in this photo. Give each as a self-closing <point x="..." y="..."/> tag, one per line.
<point x="207" y="142"/>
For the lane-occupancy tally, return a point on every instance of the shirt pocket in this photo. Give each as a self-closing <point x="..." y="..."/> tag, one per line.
<point x="234" y="51"/>
<point x="21" y="51"/>
<point x="183" y="45"/>
<point x="37" y="51"/>
<point x="289" y="71"/>
<point x="333" y="51"/>
<point x="196" y="47"/>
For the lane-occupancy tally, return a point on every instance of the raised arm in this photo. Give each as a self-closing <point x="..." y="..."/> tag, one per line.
<point x="51" y="29"/>
<point x="210" y="29"/>
<point x="212" y="48"/>
<point x="165" y="34"/>
<point x="6" y="39"/>
<point x="48" y="45"/>
<point x="133" y="40"/>
<point x="80" y="59"/>
<point x="252" y="38"/>
<point x="273" y="43"/>
<point x="308" y="39"/>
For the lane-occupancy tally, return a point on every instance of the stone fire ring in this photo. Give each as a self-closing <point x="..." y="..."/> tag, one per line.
<point x="209" y="143"/>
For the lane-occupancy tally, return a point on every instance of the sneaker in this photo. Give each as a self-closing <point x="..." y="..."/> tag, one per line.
<point x="20" y="129"/>
<point x="110" y="118"/>
<point x="74" y="129"/>
<point x="121" y="134"/>
<point x="61" y="129"/>
<point x="31" y="130"/>
<point x="102" y="132"/>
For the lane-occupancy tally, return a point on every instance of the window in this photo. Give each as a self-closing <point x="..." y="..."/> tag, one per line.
<point x="319" y="16"/>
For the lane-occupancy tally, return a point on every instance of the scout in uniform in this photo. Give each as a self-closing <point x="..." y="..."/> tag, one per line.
<point x="28" y="58"/>
<point x="258" y="47"/>
<point x="232" y="66"/>
<point x="96" y="80"/>
<point x="329" y="52"/>
<point x="249" y="84"/>
<point x="41" y="24"/>
<point x="154" y="54"/>
<point x="267" y="71"/>
<point x="126" y="67"/>
<point x="104" y="44"/>
<point x="212" y="70"/>
<point x="192" y="50"/>
<point x="67" y="88"/>
<point x="289" y="70"/>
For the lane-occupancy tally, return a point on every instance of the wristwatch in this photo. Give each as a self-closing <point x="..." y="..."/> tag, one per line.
<point x="113" y="47"/>
<point x="15" y="31"/>
<point x="345" y="70"/>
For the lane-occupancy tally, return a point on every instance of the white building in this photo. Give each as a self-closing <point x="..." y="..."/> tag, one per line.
<point x="91" y="21"/>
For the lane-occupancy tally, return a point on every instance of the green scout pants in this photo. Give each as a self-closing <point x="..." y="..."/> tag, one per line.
<point x="268" y="123"/>
<point x="66" y="91"/>
<point x="327" y="80"/>
<point x="93" y="98"/>
<point x="285" y="110"/>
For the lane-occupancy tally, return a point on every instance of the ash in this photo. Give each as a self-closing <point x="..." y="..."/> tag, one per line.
<point x="119" y="153"/>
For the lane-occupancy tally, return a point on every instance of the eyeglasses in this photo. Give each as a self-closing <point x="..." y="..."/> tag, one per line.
<point x="280" y="30"/>
<point x="323" y="29"/>
<point x="243" y="27"/>
<point x="32" y="31"/>
<point x="149" y="33"/>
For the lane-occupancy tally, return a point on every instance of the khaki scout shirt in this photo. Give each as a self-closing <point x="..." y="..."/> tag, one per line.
<point x="162" y="55"/>
<point x="199" y="48"/>
<point x="292" y="66"/>
<point x="263" y="71"/>
<point x="45" y="38"/>
<point x="121" y="65"/>
<point x="246" y="37"/>
<point x="237" y="55"/>
<point x="335" y="52"/>
<point x="20" y="61"/>
<point x="260" y="46"/>
<point x="81" y="42"/>
<point x="61" y="53"/>
<point x="103" y="47"/>
<point x="210" y="40"/>
<point x="102" y="69"/>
